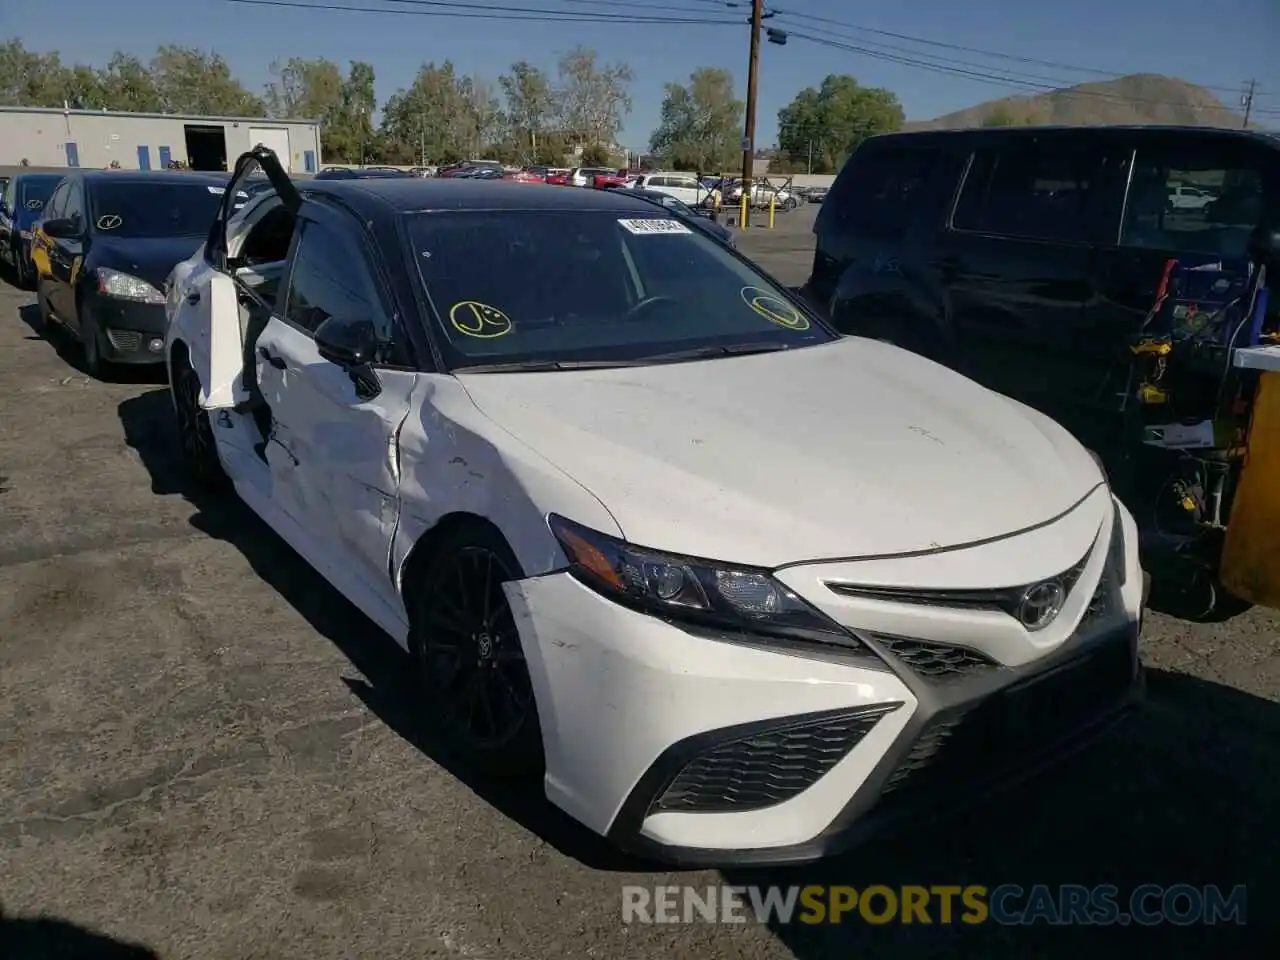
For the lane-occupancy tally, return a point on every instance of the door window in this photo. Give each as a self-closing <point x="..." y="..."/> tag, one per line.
<point x="73" y="208"/>
<point x="53" y="209"/>
<point x="1041" y="190"/>
<point x="331" y="278"/>
<point x="1220" y="200"/>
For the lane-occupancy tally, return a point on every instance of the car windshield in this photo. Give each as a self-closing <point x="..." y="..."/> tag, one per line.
<point x="137" y="208"/>
<point x="34" y="192"/>
<point x="591" y="286"/>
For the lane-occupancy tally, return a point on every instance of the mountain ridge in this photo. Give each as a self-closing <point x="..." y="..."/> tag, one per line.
<point x="1140" y="98"/>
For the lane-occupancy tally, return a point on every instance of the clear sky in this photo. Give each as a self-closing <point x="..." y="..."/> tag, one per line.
<point x="1219" y="44"/>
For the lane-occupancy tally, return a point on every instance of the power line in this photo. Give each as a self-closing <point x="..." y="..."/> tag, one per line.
<point x="1052" y="64"/>
<point x="471" y="11"/>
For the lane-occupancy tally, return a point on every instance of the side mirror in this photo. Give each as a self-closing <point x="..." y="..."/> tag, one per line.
<point x="351" y="344"/>
<point x="61" y="229"/>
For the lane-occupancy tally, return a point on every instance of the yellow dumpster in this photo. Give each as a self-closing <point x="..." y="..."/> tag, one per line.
<point x="1250" y="566"/>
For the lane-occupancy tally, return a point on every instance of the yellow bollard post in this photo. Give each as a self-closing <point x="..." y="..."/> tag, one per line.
<point x="773" y="197"/>
<point x="743" y="206"/>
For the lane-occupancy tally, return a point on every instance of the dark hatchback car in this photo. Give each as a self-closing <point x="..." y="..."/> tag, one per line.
<point x="1028" y="258"/>
<point x="103" y="251"/>
<point x="22" y="204"/>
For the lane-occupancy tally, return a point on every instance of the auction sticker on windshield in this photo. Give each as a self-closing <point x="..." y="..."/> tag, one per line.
<point x="647" y="227"/>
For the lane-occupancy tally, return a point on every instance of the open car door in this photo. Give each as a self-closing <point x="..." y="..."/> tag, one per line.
<point x="216" y="326"/>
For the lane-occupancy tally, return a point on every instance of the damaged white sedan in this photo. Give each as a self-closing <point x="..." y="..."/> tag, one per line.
<point x="739" y="589"/>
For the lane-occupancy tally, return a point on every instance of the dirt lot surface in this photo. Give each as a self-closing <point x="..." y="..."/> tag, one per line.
<point x="205" y="751"/>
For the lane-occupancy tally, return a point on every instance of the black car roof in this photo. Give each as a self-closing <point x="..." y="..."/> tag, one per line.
<point x="413" y="194"/>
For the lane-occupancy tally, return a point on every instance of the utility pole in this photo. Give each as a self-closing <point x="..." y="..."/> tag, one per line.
<point x="1247" y="101"/>
<point x="749" y="132"/>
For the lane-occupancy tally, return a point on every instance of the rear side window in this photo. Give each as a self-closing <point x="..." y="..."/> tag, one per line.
<point x="880" y="191"/>
<point x="1193" y="197"/>
<point x="1041" y="190"/>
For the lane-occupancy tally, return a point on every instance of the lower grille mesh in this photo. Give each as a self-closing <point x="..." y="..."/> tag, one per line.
<point x="768" y="767"/>
<point x="1017" y="721"/>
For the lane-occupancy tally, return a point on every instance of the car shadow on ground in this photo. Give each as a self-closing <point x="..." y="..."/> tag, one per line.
<point x="385" y="685"/>
<point x="1184" y="792"/>
<point x="67" y="347"/>
<point x="48" y="938"/>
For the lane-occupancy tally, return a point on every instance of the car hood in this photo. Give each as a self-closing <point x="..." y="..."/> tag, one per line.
<point x="847" y="450"/>
<point x="150" y="258"/>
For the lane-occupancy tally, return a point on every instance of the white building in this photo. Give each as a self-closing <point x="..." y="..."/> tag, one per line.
<point x="49" y="137"/>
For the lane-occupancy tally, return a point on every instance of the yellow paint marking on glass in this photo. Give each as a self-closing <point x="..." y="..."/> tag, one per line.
<point x="481" y="320"/>
<point x="75" y="269"/>
<point x="774" y="309"/>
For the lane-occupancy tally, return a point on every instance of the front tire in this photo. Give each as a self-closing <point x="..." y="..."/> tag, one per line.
<point x="90" y="342"/>
<point x="195" y="432"/>
<point x="468" y="655"/>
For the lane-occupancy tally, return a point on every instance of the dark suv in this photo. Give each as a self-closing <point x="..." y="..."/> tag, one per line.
<point x="1028" y="258"/>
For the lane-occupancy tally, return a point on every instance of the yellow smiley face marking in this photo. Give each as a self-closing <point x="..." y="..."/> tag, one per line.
<point x="480" y="320"/>
<point x="774" y="309"/>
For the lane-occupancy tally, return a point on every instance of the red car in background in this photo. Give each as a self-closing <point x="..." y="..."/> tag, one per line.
<point x="603" y="181"/>
<point x="525" y="176"/>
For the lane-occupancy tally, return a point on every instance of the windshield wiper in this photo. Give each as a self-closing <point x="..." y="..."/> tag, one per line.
<point x="537" y="366"/>
<point x="678" y="356"/>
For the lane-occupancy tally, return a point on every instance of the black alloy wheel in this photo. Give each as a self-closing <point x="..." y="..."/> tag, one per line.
<point x="195" y="433"/>
<point x="469" y="658"/>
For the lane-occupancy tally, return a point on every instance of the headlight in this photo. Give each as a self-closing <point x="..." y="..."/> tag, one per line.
<point x="124" y="286"/>
<point x="739" y="599"/>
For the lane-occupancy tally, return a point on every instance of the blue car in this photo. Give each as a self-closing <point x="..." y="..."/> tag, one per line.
<point x="20" y="207"/>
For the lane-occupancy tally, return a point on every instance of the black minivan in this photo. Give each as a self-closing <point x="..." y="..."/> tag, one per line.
<point x="1028" y="258"/>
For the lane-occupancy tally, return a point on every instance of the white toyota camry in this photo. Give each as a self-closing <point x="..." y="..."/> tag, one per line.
<point x="739" y="589"/>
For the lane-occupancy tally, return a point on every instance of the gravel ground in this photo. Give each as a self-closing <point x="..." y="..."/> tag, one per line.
<point x="206" y="752"/>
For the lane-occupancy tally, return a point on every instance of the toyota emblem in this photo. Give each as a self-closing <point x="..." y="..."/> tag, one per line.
<point x="1040" y="604"/>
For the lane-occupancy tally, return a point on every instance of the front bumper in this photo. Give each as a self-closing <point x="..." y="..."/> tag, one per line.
<point x="132" y="332"/>
<point x="702" y="748"/>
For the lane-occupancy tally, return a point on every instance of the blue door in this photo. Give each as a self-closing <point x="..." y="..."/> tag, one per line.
<point x="165" y="158"/>
<point x="73" y="155"/>
<point x="309" y="161"/>
<point x="144" y="157"/>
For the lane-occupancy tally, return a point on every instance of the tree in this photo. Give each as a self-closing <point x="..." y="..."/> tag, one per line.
<point x="192" y="81"/>
<point x="430" y="119"/>
<point x="820" y="128"/>
<point x="29" y="79"/>
<point x="481" y="122"/>
<point x="307" y="89"/>
<point x="593" y="98"/>
<point x="530" y="108"/>
<point x="129" y="85"/>
<point x="701" y="123"/>
<point x="1004" y="115"/>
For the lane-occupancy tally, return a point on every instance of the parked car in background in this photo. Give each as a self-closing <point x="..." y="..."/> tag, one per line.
<point x="103" y="249"/>
<point x="585" y="176"/>
<point x="1184" y="197"/>
<point x="558" y="176"/>
<point x="551" y="442"/>
<point x="762" y="193"/>
<point x="682" y="186"/>
<point x="472" y="168"/>
<point x="816" y="194"/>
<point x="22" y="204"/>
<point x="524" y="176"/>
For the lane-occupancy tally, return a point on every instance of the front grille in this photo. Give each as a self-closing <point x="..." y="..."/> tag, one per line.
<point x="936" y="661"/>
<point x="1018" y="721"/>
<point x="769" y="767"/>
<point x="126" y="341"/>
